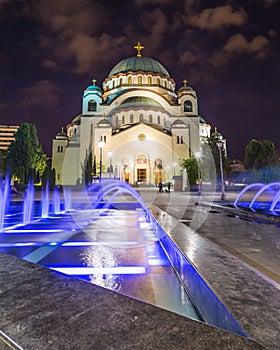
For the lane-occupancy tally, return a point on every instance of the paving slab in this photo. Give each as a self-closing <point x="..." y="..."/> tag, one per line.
<point x="42" y="309"/>
<point x="246" y="282"/>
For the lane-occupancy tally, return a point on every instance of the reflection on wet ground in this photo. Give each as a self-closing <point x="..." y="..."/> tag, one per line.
<point x="116" y="249"/>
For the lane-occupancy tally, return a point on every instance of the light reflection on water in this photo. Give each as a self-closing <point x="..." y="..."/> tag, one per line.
<point x="119" y="247"/>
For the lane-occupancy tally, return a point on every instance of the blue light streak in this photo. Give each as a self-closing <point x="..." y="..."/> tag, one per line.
<point x="117" y="270"/>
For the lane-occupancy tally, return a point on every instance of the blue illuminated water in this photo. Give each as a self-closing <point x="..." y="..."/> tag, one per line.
<point x="116" y="249"/>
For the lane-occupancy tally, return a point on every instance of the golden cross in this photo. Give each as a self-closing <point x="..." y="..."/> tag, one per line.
<point x="93" y="81"/>
<point x="138" y="47"/>
<point x="185" y="82"/>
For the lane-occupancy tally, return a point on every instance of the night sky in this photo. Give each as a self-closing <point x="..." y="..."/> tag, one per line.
<point x="229" y="52"/>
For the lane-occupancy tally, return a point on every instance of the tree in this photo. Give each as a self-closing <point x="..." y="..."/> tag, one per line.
<point x="3" y="155"/>
<point x="26" y="159"/>
<point x="192" y="169"/>
<point x="260" y="154"/>
<point x="261" y="160"/>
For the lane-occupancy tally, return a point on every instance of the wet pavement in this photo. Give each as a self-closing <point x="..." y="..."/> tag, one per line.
<point x="237" y="258"/>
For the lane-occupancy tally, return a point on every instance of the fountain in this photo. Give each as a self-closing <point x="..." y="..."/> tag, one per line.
<point x="4" y="195"/>
<point x="56" y="201"/>
<point x="45" y="202"/>
<point x="272" y="190"/>
<point x="107" y="238"/>
<point x="28" y="203"/>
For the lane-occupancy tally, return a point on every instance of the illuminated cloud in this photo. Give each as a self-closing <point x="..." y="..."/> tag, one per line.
<point x="89" y="51"/>
<point x="238" y="43"/>
<point x="43" y="93"/>
<point x="49" y="64"/>
<point x="155" y="23"/>
<point x="218" y="17"/>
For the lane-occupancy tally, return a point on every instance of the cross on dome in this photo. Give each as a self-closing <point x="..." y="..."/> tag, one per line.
<point x="185" y="82"/>
<point x="93" y="81"/>
<point x="138" y="47"/>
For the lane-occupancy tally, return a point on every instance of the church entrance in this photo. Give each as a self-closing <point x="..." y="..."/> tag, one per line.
<point x="141" y="175"/>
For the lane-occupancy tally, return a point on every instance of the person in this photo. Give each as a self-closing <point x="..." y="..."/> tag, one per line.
<point x="168" y="186"/>
<point x="15" y="191"/>
<point x="160" y="187"/>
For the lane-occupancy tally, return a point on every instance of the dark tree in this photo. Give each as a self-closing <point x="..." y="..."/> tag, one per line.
<point x="26" y="159"/>
<point x="191" y="167"/>
<point x="260" y="154"/>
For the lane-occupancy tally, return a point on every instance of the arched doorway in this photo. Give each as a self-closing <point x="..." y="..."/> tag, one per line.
<point x="141" y="169"/>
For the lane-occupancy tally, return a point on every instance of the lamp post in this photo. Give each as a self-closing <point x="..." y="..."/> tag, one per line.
<point x="110" y="162"/>
<point x="101" y="144"/>
<point x="220" y="146"/>
<point x="198" y="157"/>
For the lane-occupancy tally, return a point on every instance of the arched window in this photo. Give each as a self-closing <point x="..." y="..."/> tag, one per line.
<point x="113" y="84"/>
<point x="165" y="84"/>
<point x="188" y="106"/>
<point x="149" y="81"/>
<point x="121" y="82"/>
<point x="123" y="119"/>
<point x="158" y="81"/>
<point x="150" y="118"/>
<point x="141" y="118"/>
<point x="140" y="80"/>
<point x="131" y="118"/>
<point x="129" y="81"/>
<point x="117" y="121"/>
<point x="158" y="119"/>
<point x="92" y="106"/>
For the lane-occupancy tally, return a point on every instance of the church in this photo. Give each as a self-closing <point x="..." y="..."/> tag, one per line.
<point x="137" y="127"/>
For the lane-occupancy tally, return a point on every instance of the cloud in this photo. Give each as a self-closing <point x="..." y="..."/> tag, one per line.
<point x="43" y="93"/>
<point x="4" y="105"/>
<point x="49" y="64"/>
<point x="155" y="23"/>
<point x="89" y="51"/>
<point x="217" y="18"/>
<point x="188" y="57"/>
<point x="237" y="45"/>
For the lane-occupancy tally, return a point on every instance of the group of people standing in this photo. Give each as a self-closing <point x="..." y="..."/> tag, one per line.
<point x="160" y="187"/>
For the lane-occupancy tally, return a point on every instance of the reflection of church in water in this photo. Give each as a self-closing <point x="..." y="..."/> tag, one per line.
<point x="146" y="126"/>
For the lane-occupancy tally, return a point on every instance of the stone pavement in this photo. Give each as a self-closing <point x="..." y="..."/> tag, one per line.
<point x="239" y="258"/>
<point x="41" y="309"/>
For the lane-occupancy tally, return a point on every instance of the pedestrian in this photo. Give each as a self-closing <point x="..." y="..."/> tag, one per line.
<point x="168" y="186"/>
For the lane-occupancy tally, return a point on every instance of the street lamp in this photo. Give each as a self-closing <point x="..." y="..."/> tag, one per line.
<point x="110" y="160"/>
<point x="220" y="146"/>
<point x="198" y="157"/>
<point x="101" y="144"/>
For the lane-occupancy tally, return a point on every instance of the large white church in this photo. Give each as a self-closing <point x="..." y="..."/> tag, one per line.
<point x="138" y="127"/>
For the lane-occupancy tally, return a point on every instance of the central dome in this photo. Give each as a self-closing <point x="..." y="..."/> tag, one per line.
<point x="136" y="64"/>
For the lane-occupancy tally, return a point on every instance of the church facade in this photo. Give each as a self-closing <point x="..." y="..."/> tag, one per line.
<point x="138" y="127"/>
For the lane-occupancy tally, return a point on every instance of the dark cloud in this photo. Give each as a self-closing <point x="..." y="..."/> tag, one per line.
<point x="218" y="17"/>
<point x="44" y="94"/>
<point x="51" y="49"/>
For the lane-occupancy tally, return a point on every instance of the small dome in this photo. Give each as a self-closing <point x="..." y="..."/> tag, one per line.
<point x="179" y="124"/>
<point x="104" y="123"/>
<point x="185" y="87"/>
<point x="136" y="64"/>
<point x="140" y="101"/>
<point x="93" y="88"/>
<point x="61" y="135"/>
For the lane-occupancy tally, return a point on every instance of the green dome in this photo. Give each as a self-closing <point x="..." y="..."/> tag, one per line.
<point x="140" y="101"/>
<point x="136" y="64"/>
